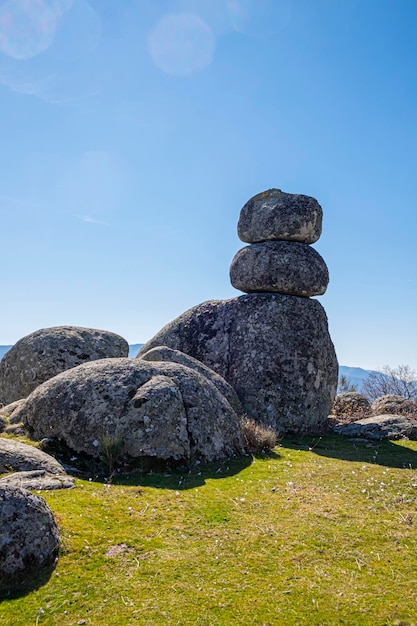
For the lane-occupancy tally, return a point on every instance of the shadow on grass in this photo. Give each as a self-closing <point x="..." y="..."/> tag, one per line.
<point x="16" y="587"/>
<point x="386" y="453"/>
<point x="183" y="478"/>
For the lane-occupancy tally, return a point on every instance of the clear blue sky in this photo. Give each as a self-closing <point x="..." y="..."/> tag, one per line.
<point x="133" y="131"/>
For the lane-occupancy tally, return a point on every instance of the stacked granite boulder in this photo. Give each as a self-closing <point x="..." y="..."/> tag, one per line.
<point x="271" y="345"/>
<point x="280" y="226"/>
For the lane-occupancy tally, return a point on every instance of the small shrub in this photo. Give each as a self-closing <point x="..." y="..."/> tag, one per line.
<point x="111" y="449"/>
<point x="258" y="437"/>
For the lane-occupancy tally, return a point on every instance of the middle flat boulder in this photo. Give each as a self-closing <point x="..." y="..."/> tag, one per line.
<point x="286" y="267"/>
<point x="160" y="410"/>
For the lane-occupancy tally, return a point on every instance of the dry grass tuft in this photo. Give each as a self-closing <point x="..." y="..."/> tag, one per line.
<point x="258" y="437"/>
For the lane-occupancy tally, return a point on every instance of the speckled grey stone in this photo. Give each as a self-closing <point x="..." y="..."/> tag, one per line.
<point x="163" y="353"/>
<point x="29" y="539"/>
<point x="37" y="480"/>
<point x="6" y="412"/>
<point x="378" y="427"/>
<point x="274" y="214"/>
<point x="284" y="267"/>
<point x="350" y="404"/>
<point x="15" y="455"/>
<point x="274" y="350"/>
<point x="49" y="351"/>
<point x="155" y="409"/>
<point x="391" y="403"/>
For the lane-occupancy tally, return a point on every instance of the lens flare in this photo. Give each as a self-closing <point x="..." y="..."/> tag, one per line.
<point x="259" y="18"/>
<point x="182" y="44"/>
<point x="27" y="27"/>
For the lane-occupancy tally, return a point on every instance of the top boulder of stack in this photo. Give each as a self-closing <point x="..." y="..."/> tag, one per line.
<point x="275" y="215"/>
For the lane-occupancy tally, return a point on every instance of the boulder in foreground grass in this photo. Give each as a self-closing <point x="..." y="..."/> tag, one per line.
<point x="135" y="409"/>
<point x="37" y="480"/>
<point x="29" y="541"/>
<point x="16" y="456"/>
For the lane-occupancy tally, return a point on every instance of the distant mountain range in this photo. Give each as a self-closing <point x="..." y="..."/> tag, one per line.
<point x="133" y="350"/>
<point x="355" y="375"/>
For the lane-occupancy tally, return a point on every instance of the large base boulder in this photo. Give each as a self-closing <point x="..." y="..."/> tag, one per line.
<point x="49" y="351"/>
<point x="135" y="409"/>
<point x="274" y="350"/>
<point x="29" y="541"/>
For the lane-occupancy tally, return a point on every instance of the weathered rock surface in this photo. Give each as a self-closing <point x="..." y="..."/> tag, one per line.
<point x="49" y="351"/>
<point x="351" y="404"/>
<point x="6" y="412"/>
<point x="37" y="480"/>
<point x="21" y="457"/>
<point x="391" y="403"/>
<point x="274" y="214"/>
<point x="163" y="353"/>
<point x="29" y="540"/>
<point x="285" y="267"/>
<point x="150" y="409"/>
<point x="378" y="427"/>
<point x="274" y="350"/>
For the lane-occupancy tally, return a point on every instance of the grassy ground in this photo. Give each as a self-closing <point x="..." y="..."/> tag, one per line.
<point x="322" y="532"/>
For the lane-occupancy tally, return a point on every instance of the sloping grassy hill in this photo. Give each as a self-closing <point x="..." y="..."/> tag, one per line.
<point x="322" y="532"/>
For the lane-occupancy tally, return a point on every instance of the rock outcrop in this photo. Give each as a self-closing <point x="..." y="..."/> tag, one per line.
<point x="153" y="410"/>
<point x="37" y="480"/>
<point x="49" y="351"/>
<point x="391" y="403"/>
<point x="16" y="456"/>
<point x="274" y="349"/>
<point x="380" y="427"/>
<point x="351" y="405"/>
<point x="29" y="540"/>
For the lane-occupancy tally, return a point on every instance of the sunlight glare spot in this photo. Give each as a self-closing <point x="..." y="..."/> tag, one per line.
<point x="181" y="44"/>
<point x="259" y="18"/>
<point x="27" y="27"/>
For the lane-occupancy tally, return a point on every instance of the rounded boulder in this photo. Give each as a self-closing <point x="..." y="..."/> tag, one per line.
<point x="157" y="410"/>
<point x="351" y="405"/>
<point x="391" y="403"/>
<point x="50" y="351"/>
<point x="29" y="541"/>
<point x="284" y="267"/>
<point x="274" y="350"/>
<point x="274" y="214"/>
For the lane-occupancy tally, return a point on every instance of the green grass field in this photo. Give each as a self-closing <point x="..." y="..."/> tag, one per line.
<point x="321" y="532"/>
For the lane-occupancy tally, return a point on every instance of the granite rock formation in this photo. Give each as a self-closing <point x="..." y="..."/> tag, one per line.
<point x="49" y="351"/>
<point x="274" y="214"/>
<point x="391" y="403"/>
<point x="379" y="427"/>
<point x="29" y="540"/>
<point x="274" y="349"/>
<point x="285" y="267"/>
<point x="154" y="410"/>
